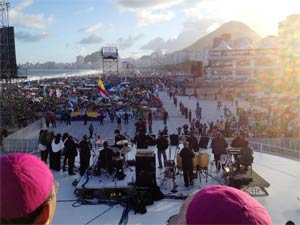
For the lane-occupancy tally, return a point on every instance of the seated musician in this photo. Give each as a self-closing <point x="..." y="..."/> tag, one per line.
<point x="118" y="137"/>
<point x="105" y="158"/>
<point x="239" y="140"/>
<point x="245" y="157"/>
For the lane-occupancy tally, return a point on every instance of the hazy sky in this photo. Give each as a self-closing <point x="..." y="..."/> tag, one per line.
<point x="60" y="30"/>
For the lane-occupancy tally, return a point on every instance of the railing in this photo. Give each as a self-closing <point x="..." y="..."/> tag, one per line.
<point x="20" y="145"/>
<point x="276" y="150"/>
<point x="264" y="145"/>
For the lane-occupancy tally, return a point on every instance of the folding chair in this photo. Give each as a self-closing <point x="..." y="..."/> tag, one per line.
<point x="224" y="160"/>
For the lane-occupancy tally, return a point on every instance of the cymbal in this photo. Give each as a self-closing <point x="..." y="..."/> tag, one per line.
<point x="117" y="158"/>
<point x="122" y="142"/>
<point x="125" y="150"/>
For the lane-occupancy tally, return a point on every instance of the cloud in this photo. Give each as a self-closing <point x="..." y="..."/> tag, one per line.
<point x="27" y="37"/>
<point x="91" y="28"/>
<point x="92" y="39"/>
<point x="192" y="30"/>
<point x="146" y="17"/>
<point x="83" y="51"/>
<point x="135" y="5"/>
<point x="149" y="12"/>
<point x="35" y="21"/>
<point x="85" y="10"/>
<point x="24" y="4"/>
<point x="124" y="43"/>
<point x="155" y="44"/>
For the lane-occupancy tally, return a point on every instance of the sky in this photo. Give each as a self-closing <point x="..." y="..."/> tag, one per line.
<point x="61" y="30"/>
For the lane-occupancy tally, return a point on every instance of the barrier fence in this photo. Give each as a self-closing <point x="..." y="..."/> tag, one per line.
<point x="285" y="147"/>
<point x="20" y="145"/>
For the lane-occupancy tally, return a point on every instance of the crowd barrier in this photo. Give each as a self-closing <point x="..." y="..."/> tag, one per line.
<point x="20" y="145"/>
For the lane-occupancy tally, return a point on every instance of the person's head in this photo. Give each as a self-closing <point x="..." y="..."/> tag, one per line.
<point x="28" y="192"/>
<point x="105" y="144"/>
<point x="117" y="131"/>
<point x="246" y="144"/>
<point x="218" y="204"/>
<point x="57" y="138"/>
<point x="186" y="144"/>
<point x="85" y="137"/>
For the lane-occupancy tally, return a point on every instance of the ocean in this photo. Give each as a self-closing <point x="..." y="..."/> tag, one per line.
<point x="35" y="74"/>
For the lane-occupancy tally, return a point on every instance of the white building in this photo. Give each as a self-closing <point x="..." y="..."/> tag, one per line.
<point x="242" y="59"/>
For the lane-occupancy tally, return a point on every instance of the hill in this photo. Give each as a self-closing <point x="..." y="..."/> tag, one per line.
<point x="235" y="28"/>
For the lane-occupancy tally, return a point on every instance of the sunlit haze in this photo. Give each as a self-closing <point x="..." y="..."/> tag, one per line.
<point x="60" y="30"/>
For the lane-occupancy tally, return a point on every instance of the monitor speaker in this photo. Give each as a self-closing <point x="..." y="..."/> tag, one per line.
<point x="174" y="139"/>
<point x="145" y="171"/>
<point x="203" y="143"/>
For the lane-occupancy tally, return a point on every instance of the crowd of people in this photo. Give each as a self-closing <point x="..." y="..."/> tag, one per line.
<point x="39" y="207"/>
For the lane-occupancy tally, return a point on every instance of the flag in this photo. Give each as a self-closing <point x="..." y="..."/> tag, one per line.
<point x="101" y="89"/>
<point x="58" y="93"/>
<point x="44" y="91"/>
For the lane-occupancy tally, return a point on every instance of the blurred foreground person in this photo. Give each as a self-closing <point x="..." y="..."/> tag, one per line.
<point x="218" y="204"/>
<point x="28" y="192"/>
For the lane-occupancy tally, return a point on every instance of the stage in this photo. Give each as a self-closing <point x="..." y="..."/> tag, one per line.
<point x="248" y="181"/>
<point x="107" y="181"/>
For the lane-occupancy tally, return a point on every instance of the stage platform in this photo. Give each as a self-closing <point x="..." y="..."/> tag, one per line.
<point x="107" y="181"/>
<point x="249" y="181"/>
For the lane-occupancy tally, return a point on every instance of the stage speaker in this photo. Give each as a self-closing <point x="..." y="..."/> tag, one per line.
<point x="174" y="139"/>
<point x="145" y="170"/>
<point x="8" y="62"/>
<point x="203" y="142"/>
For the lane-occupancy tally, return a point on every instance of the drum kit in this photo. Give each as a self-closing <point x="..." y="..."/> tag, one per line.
<point x="121" y="149"/>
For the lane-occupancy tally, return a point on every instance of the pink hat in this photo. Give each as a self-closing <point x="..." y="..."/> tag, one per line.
<point x="225" y="205"/>
<point x="26" y="183"/>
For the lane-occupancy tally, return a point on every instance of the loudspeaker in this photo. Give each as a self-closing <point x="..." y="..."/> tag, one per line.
<point x="203" y="142"/>
<point x="8" y="62"/>
<point x="145" y="171"/>
<point x="174" y="139"/>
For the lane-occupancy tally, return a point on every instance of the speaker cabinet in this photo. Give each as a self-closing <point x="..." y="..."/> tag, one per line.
<point x="203" y="143"/>
<point x="174" y="139"/>
<point x="145" y="170"/>
<point x="8" y="62"/>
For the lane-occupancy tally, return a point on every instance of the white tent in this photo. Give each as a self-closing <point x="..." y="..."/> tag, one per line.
<point x="223" y="46"/>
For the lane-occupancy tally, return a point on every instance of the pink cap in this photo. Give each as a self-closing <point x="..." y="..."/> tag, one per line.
<point x="26" y="183"/>
<point x="225" y="205"/>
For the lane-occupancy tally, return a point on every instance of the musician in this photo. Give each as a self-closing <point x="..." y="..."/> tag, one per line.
<point x="239" y="141"/>
<point x="218" y="146"/>
<point x="162" y="146"/>
<point x="105" y="158"/>
<point x="193" y="142"/>
<point x="187" y="164"/>
<point x="140" y="140"/>
<point x="118" y="137"/>
<point x="245" y="157"/>
<point x="85" y="147"/>
<point x="70" y="153"/>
